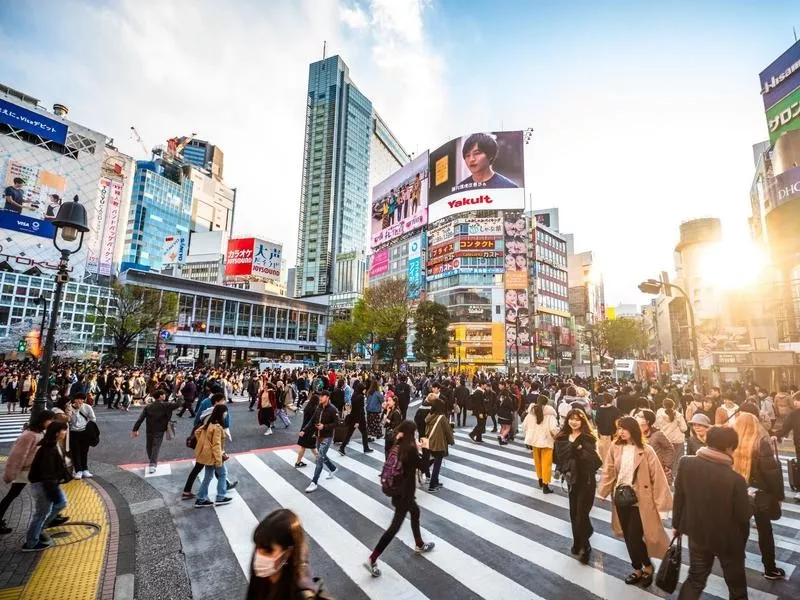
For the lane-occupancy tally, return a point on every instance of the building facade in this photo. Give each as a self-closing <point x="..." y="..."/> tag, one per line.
<point x="341" y="133"/>
<point x="161" y="206"/>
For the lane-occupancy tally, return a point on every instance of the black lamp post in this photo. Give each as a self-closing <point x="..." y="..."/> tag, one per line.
<point x="70" y="225"/>
<point x="43" y="301"/>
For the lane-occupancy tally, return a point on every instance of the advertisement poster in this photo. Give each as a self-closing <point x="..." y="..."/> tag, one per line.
<point x="400" y="203"/>
<point x="379" y="263"/>
<point x="42" y="191"/>
<point x="239" y="257"/>
<point x="111" y="227"/>
<point x="517" y="308"/>
<point x="415" y="272"/>
<point x="104" y="222"/>
<point x="267" y="260"/>
<point x="174" y="250"/>
<point x="480" y="171"/>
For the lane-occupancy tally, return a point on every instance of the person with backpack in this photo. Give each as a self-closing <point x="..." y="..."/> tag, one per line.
<point x="398" y="481"/>
<point x="438" y="436"/>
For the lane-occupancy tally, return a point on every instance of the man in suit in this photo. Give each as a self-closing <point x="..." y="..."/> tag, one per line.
<point x="712" y="509"/>
<point x="479" y="410"/>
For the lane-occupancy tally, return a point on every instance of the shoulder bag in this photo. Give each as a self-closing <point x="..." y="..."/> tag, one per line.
<point x="424" y="440"/>
<point x="765" y="503"/>
<point x="625" y="496"/>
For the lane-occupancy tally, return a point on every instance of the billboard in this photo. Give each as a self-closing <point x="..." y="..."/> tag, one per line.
<point x="267" y="260"/>
<point x="785" y="187"/>
<point x="33" y="122"/>
<point x="104" y="226"/>
<point x="379" y="263"/>
<point x="416" y="274"/>
<point x="174" y="250"/>
<point x="400" y="202"/>
<point x="784" y="116"/>
<point x="517" y="311"/>
<point x="781" y="78"/>
<point x="481" y="171"/>
<point x="239" y="257"/>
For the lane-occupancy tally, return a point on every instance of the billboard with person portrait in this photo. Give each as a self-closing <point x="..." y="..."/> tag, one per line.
<point x="480" y="171"/>
<point x="517" y="306"/>
<point x="400" y="202"/>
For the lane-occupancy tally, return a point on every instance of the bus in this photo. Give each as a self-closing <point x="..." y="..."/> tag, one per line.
<point x="184" y="362"/>
<point x="263" y="363"/>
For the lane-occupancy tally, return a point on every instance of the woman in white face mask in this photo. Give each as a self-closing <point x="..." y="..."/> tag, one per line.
<point x="279" y="568"/>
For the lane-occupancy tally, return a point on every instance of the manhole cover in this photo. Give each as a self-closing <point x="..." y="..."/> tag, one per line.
<point x="73" y="532"/>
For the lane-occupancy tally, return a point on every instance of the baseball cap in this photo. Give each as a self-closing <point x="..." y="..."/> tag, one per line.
<point x="700" y="419"/>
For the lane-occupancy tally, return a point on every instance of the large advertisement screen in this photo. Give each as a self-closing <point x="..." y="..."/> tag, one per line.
<point x="400" y="203"/>
<point x="518" y="337"/>
<point x="480" y="171"/>
<point x="782" y="77"/>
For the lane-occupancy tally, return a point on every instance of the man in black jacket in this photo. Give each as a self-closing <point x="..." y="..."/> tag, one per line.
<point x="156" y="417"/>
<point x="791" y="424"/>
<point x="403" y="392"/>
<point x="357" y="417"/>
<point x="712" y="508"/>
<point x="462" y="399"/>
<point x="325" y="419"/>
<point x="478" y="406"/>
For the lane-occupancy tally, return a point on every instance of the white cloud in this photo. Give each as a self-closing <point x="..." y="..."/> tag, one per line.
<point x="353" y="16"/>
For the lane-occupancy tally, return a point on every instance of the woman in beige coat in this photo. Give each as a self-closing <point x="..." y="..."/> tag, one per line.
<point x="210" y="452"/>
<point x="631" y="463"/>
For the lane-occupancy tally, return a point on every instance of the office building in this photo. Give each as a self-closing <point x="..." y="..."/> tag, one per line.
<point x="204" y="155"/>
<point x="161" y="207"/>
<point x="213" y="202"/>
<point x="346" y="147"/>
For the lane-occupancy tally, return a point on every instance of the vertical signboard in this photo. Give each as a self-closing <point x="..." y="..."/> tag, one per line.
<point x="104" y="224"/>
<point x="415" y="274"/>
<point x="239" y="257"/>
<point x="517" y="313"/>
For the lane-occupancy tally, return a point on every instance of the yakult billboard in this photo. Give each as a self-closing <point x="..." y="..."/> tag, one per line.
<point x="400" y="202"/>
<point x="481" y="171"/>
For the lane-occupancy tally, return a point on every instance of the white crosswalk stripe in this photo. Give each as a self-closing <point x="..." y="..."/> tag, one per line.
<point x="497" y="536"/>
<point x="11" y="426"/>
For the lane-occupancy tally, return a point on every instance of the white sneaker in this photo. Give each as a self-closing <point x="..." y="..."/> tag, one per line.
<point x="269" y="431"/>
<point x="87" y="475"/>
<point x="331" y="474"/>
<point x="311" y="487"/>
<point x="78" y="475"/>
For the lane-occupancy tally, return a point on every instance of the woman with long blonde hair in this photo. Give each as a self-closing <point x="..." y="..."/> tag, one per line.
<point x="754" y="460"/>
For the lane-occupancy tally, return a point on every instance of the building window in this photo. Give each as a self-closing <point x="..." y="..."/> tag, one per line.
<point x="257" y="328"/>
<point x="215" y="319"/>
<point x="243" y="324"/>
<point x="280" y="334"/>
<point x="230" y="317"/>
<point x="269" y="322"/>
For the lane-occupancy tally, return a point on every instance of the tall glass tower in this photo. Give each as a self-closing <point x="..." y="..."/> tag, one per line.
<point x="341" y="135"/>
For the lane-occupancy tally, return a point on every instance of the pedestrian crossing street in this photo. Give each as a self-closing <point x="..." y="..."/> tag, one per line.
<point x="11" y="425"/>
<point x="497" y="536"/>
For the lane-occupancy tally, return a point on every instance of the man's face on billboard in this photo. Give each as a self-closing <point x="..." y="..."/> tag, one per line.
<point x="476" y="160"/>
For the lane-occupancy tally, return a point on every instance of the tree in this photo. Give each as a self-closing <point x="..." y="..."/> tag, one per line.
<point x="381" y="319"/>
<point x="344" y="335"/>
<point x="619" y="338"/>
<point x="132" y="312"/>
<point x="67" y="344"/>
<point x="430" y="342"/>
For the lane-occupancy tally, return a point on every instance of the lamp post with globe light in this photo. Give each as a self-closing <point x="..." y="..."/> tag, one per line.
<point x="70" y="225"/>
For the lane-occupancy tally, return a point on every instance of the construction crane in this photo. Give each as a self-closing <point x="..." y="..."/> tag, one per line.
<point x="176" y="145"/>
<point x="135" y="135"/>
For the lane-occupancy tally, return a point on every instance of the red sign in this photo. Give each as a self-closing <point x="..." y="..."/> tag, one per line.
<point x="239" y="258"/>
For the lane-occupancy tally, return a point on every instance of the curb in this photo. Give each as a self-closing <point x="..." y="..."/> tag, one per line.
<point x="121" y="556"/>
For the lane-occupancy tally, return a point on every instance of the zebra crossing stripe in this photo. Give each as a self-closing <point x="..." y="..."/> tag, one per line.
<point x="592" y="580"/>
<point x="469" y="571"/>
<point x="334" y="539"/>
<point x="238" y="523"/>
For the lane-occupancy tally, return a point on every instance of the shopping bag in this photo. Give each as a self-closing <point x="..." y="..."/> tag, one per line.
<point x="670" y="568"/>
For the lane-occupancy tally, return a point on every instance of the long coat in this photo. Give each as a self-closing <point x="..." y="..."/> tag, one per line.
<point x="652" y="491"/>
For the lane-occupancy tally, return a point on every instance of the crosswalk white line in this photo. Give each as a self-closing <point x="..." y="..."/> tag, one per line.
<point x="752" y="561"/>
<point x="467" y="570"/>
<point x="334" y="539"/>
<point x="238" y="522"/>
<point x="161" y="470"/>
<point x="592" y="580"/>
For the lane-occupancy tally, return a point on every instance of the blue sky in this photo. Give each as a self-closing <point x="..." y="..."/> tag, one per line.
<point x="644" y="112"/>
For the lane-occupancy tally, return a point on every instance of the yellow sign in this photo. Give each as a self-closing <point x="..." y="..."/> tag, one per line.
<point x="442" y="170"/>
<point x="611" y="313"/>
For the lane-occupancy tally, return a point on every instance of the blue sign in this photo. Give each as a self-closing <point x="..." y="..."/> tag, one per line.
<point x="32" y="122"/>
<point x="18" y="222"/>
<point x="164" y="334"/>
<point x="782" y="77"/>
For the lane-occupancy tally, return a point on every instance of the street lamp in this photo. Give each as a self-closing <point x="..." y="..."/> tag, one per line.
<point x="43" y="301"/>
<point x="556" y="339"/>
<point x="458" y="355"/>
<point x="70" y="225"/>
<point x="653" y="287"/>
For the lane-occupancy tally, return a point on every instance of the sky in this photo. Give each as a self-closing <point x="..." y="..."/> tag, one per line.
<point x="644" y="113"/>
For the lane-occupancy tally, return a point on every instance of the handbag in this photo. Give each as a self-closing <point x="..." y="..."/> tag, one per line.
<point x="625" y="496"/>
<point x="93" y="433"/>
<point x="670" y="567"/>
<point x="424" y="441"/>
<point x="169" y="432"/>
<point x="765" y="503"/>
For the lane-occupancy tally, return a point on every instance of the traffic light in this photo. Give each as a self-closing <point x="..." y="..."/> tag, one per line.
<point x="22" y="346"/>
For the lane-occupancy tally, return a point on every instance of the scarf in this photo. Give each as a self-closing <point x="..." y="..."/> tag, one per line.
<point x="715" y="456"/>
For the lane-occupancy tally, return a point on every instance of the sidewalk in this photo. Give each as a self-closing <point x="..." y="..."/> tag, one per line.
<point x="95" y="553"/>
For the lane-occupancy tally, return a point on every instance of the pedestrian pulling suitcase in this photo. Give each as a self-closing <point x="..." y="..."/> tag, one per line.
<point x="339" y="433"/>
<point x="794" y="475"/>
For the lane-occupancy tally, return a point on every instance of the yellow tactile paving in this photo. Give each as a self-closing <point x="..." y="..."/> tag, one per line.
<point x="73" y="570"/>
<point x="11" y="593"/>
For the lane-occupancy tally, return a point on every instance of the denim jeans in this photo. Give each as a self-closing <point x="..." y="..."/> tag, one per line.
<point x="222" y="481"/>
<point x="44" y="511"/>
<point x="323" y="446"/>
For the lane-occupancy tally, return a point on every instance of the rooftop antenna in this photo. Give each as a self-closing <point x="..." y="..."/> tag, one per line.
<point x="325" y="48"/>
<point x="794" y="30"/>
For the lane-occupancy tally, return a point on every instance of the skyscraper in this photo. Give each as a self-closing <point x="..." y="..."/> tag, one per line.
<point x="347" y="149"/>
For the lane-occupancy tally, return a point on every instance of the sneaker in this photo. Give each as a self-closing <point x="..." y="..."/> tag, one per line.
<point x="87" y="475"/>
<point x="372" y="567"/>
<point x="311" y="487"/>
<point x="203" y="503"/>
<point x="368" y="450"/>
<point x="268" y="431"/>
<point x="224" y="501"/>
<point x="773" y="574"/>
<point x="231" y="485"/>
<point x="546" y="489"/>
<point x="78" y="475"/>
<point x="341" y="451"/>
<point x="187" y="495"/>
<point x="432" y="490"/>
<point x="151" y="469"/>
<point x="38" y="547"/>
<point x="57" y="522"/>
<point x="332" y="474"/>
<point x="427" y="547"/>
